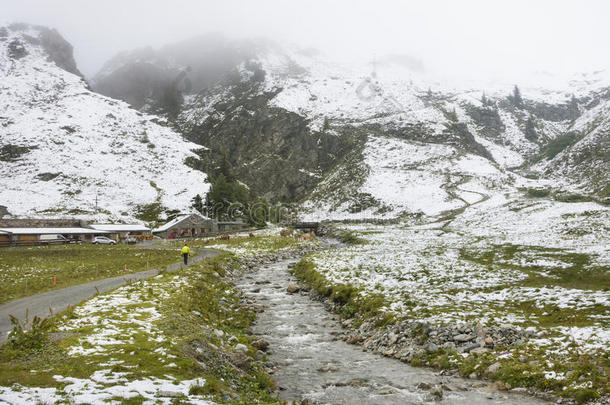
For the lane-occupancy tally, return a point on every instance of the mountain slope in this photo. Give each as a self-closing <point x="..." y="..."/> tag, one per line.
<point x="296" y="125"/>
<point x="585" y="161"/>
<point x="66" y="150"/>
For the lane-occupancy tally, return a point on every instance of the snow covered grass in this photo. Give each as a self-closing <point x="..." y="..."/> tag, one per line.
<point x="26" y="271"/>
<point x="534" y="263"/>
<point x="161" y="340"/>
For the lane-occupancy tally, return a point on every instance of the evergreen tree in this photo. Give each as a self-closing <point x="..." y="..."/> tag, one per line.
<point x="530" y="130"/>
<point x="226" y="198"/>
<point x="197" y="204"/>
<point x="573" y="107"/>
<point x="484" y="100"/>
<point x="326" y="125"/>
<point x="516" y="98"/>
<point x="226" y="169"/>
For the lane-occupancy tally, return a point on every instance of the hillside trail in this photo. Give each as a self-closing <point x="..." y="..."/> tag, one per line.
<point x="452" y="187"/>
<point x="55" y="301"/>
<point x="310" y="363"/>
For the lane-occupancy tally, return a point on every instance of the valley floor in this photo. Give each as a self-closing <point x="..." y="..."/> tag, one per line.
<point x="533" y="265"/>
<point x="536" y="264"/>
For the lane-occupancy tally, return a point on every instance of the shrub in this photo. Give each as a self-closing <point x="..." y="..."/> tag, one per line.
<point x="32" y="340"/>
<point x="572" y="198"/>
<point x="538" y="192"/>
<point x="555" y="146"/>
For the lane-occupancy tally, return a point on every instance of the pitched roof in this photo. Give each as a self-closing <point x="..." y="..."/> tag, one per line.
<point x="176" y="221"/>
<point x="119" y="227"/>
<point x="47" y="231"/>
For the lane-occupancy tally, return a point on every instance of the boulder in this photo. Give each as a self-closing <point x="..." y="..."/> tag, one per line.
<point x="240" y="347"/>
<point x="293" y="289"/>
<point x="462" y="337"/>
<point x="261" y="344"/>
<point x="494" y="368"/>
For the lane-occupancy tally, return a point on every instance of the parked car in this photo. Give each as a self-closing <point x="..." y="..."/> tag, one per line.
<point x="102" y="240"/>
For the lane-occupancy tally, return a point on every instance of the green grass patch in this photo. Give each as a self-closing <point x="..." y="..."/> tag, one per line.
<point x="538" y="192"/>
<point x="269" y="243"/>
<point x="26" y="271"/>
<point x="189" y="316"/>
<point x="574" y="270"/>
<point x="352" y="300"/>
<point x="348" y="237"/>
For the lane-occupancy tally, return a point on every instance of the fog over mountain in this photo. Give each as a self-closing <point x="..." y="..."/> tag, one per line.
<point x="509" y="41"/>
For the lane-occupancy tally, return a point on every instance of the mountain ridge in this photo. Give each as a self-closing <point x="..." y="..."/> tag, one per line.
<point x="68" y="151"/>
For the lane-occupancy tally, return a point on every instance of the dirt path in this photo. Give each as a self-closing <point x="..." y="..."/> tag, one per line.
<point x="52" y="302"/>
<point x="447" y="217"/>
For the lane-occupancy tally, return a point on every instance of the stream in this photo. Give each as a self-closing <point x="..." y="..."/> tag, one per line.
<point x="312" y="364"/>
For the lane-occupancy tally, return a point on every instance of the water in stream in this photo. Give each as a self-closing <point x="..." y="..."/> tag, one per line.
<point x="312" y="365"/>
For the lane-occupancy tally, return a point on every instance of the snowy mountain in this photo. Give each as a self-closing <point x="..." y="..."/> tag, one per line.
<point x="385" y="139"/>
<point x="65" y="150"/>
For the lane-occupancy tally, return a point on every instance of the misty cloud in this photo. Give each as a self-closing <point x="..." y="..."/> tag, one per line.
<point x="476" y="38"/>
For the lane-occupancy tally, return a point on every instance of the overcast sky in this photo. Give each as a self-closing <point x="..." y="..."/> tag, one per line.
<point x="466" y="37"/>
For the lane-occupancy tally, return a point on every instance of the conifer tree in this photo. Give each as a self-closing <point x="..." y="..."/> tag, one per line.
<point x="530" y="129"/>
<point x="516" y="98"/>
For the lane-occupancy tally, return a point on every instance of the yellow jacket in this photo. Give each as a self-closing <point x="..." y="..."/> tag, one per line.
<point x="186" y="250"/>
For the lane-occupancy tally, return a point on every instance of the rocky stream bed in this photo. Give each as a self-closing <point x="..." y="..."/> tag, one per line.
<point x="311" y="359"/>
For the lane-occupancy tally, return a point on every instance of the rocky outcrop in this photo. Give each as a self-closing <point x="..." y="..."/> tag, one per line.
<point x="57" y="49"/>
<point x="273" y="151"/>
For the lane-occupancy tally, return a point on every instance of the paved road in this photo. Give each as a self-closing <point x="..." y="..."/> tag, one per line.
<point x="58" y="300"/>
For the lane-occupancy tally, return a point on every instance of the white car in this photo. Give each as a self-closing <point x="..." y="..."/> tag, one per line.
<point x="102" y="240"/>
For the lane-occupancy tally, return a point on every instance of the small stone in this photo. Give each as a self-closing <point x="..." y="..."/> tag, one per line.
<point x="437" y="392"/>
<point x="462" y="337"/>
<point x="494" y="368"/>
<point x="240" y="347"/>
<point x="292" y="289"/>
<point x="498" y="386"/>
<point x="261" y="344"/>
<point x="424" y="386"/>
<point x="473" y="376"/>
<point x="354" y="339"/>
<point x="388" y="353"/>
<point x="240" y="360"/>
<point x="218" y="333"/>
<point x="480" y="350"/>
<point x="232" y="340"/>
<point x="489" y="341"/>
<point x="472" y="347"/>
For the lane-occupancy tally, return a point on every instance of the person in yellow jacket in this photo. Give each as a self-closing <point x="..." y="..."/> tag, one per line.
<point x="186" y="252"/>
